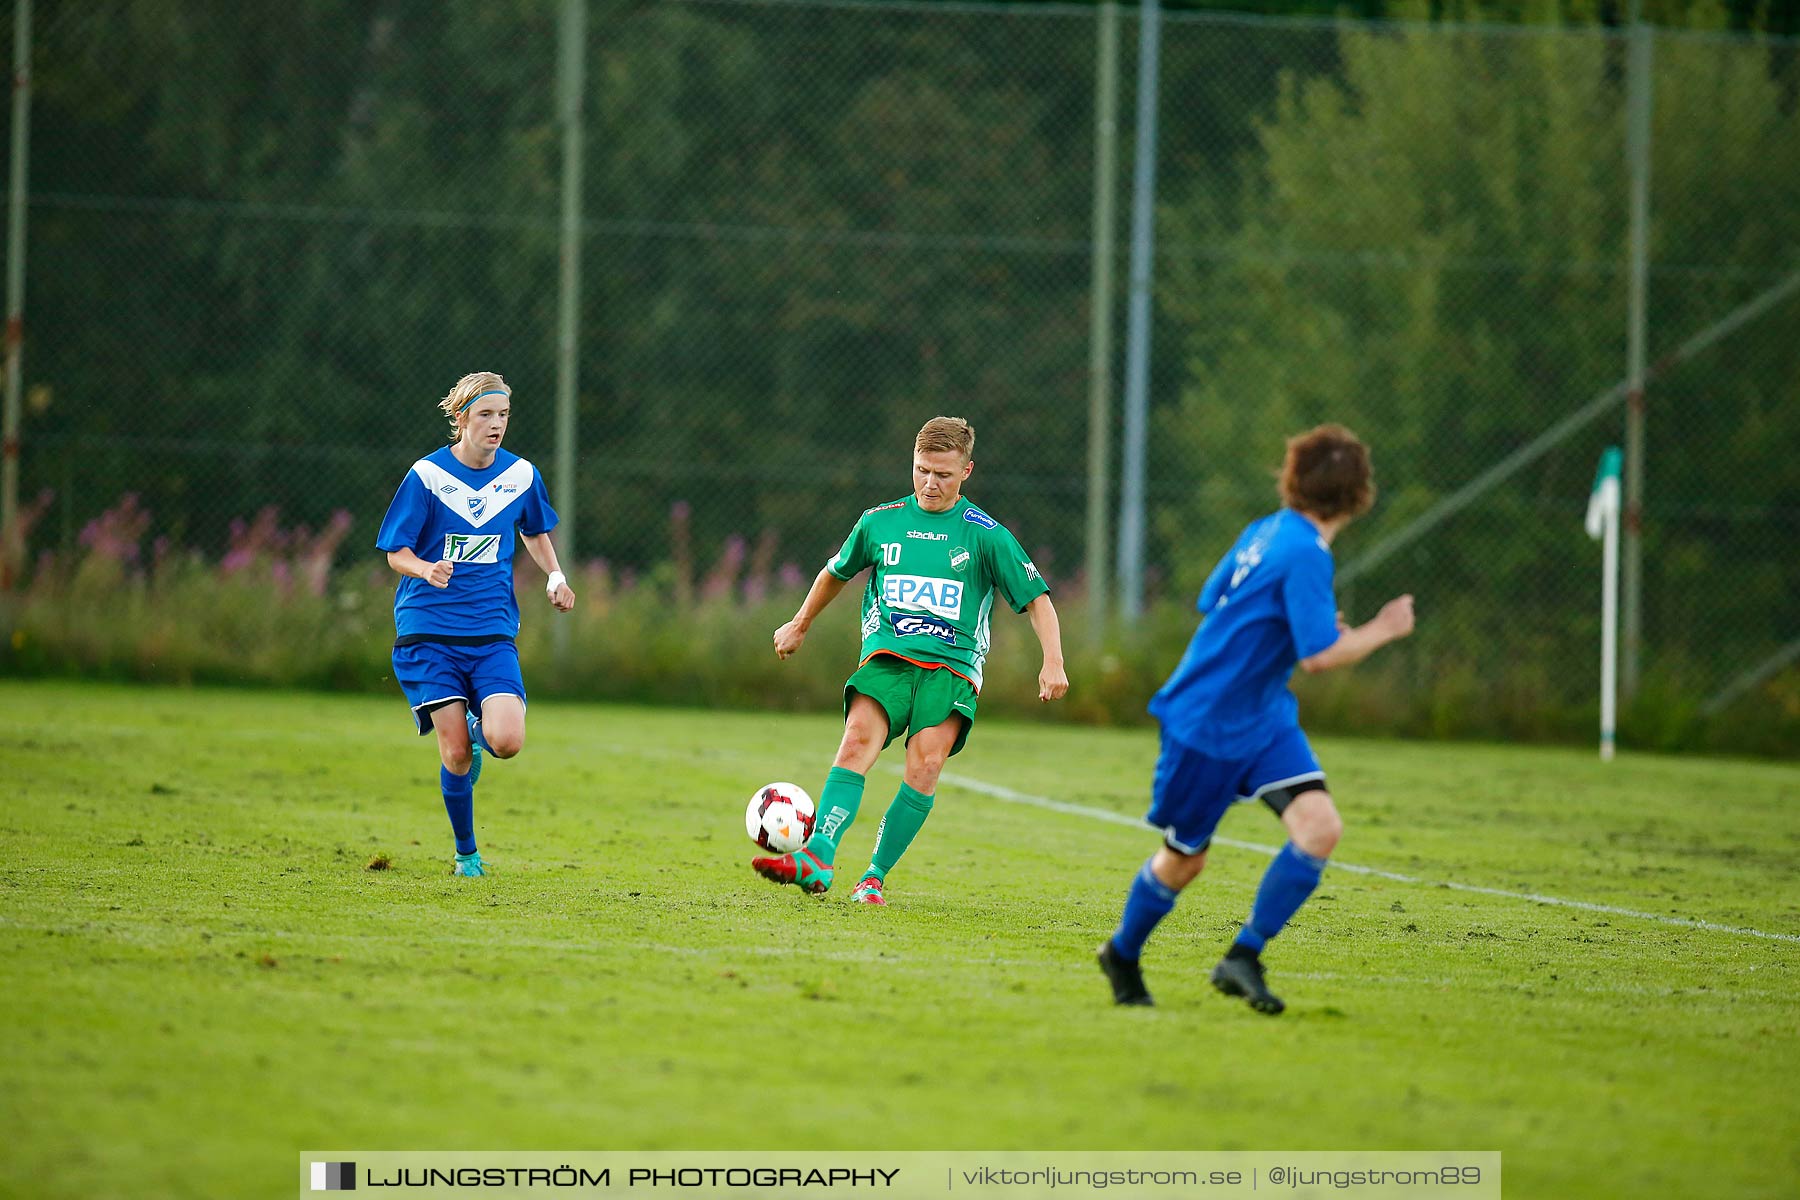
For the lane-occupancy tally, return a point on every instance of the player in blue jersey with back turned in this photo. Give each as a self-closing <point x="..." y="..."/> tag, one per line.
<point x="450" y="532"/>
<point x="1230" y="726"/>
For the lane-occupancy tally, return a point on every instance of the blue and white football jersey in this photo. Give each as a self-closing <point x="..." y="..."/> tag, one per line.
<point x="445" y="510"/>
<point x="1267" y="605"/>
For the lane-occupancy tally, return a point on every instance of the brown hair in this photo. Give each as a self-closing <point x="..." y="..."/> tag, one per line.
<point x="946" y="433"/>
<point x="1327" y="473"/>
<point x="457" y="403"/>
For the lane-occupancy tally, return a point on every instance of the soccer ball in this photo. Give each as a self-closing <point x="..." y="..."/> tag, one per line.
<point x="780" y="817"/>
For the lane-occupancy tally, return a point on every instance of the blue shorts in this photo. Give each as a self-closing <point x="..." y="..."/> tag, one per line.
<point x="1192" y="790"/>
<point x="433" y="674"/>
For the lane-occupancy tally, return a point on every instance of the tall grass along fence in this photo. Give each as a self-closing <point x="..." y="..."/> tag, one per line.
<point x="272" y="610"/>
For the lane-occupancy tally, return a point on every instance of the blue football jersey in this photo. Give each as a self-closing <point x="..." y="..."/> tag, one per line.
<point x="445" y="510"/>
<point x="1267" y="605"/>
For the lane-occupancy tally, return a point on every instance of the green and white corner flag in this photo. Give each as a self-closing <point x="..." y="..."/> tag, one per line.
<point x="1604" y="502"/>
<point x="1603" y="523"/>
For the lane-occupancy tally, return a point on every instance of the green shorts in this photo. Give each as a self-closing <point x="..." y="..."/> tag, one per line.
<point x="913" y="697"/>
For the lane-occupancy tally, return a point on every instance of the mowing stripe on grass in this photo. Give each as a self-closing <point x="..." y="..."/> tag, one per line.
<point x="1100" y="814"/>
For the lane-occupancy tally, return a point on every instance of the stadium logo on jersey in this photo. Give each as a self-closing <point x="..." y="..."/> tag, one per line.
<point x="472" y="547"/>
<point x="921" y="593"/>
<point x="975" y="516"/>
<point x="959" y="558"/>
<point x="922" y="627"/>
<point x="477" y="506"/>
<point x="927" y="537"/>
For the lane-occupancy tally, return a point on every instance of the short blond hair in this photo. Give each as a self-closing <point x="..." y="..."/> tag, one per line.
<point x="946" y="433"/>
<point x="456" y="404"/>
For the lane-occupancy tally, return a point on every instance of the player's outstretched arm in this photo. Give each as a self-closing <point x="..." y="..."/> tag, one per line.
<point x="437" y="574"/>
<point x="1053" y="680"/>
<point x="1393" y="622"/>
<point x="824" y="590"/>
<point x="557" y="585"/>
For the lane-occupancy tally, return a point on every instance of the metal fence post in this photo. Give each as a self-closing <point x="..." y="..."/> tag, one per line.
<point x="1637" y="104"/>
<point x="1100" y="314"/>
<point x="12" y="547"/>
<point x="1137" y="354"/>
<point x="571" y="61"/>
<point x="572" y="44"/>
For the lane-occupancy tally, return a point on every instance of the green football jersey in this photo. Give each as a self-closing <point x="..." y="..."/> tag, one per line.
<point x="933" y="582"/>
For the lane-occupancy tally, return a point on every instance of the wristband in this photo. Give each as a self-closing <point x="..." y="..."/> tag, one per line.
<point x="556" y="577"/>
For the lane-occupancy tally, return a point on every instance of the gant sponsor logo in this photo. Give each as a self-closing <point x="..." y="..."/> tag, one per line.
<point x="910" y="626"/>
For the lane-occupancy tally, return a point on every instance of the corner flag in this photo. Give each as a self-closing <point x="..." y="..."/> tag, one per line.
<point x="1604" y="502"/>
<point x="1603" y="523"/>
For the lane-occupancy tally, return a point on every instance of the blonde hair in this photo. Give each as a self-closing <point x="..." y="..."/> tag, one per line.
<point x="456" y="404"/>
<point x="946" y="433"/>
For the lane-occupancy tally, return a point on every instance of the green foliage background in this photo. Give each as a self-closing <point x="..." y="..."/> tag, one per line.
<point x="264" y="241"/>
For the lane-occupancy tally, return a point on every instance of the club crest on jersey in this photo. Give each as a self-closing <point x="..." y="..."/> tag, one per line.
<point x="959" y="558"/>
<point x="922" y="593"/>
<point x="910" y="626"/>
<point x="975" y="516"/>
<point x="477" y="504"/>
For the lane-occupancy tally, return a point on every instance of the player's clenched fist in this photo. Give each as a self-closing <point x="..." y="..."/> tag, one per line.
<point x="439" y="574"/>
<point x="1397" y="615"/>
<point x="788" y="639"/>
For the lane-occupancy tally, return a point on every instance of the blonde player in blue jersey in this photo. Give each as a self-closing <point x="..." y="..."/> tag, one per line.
<point x="451" y="532"/>
<point x="1230" y="726"/>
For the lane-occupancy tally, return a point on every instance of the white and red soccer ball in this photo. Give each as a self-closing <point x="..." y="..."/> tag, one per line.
<point x="780" y="817"/>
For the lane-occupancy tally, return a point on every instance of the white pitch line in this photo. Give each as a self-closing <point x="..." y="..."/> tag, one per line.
<point x="1100" y="814"/>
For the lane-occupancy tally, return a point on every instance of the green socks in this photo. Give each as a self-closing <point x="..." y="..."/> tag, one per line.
<point x="837" y="809"/>
<point x="905" y="817"/>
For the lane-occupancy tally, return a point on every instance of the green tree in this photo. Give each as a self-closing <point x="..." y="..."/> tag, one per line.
<point x="1429" y="245"/>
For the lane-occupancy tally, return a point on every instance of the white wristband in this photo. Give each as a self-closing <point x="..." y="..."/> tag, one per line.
<point x="557" y="578"/>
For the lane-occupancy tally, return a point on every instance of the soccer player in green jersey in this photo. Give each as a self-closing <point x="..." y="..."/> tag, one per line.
<point x="936" y="562"/>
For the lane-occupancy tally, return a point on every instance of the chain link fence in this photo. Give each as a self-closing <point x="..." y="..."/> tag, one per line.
<point x="262" y="244"/>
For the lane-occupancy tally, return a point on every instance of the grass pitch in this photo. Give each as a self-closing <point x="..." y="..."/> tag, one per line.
<point x="205" y="977"/>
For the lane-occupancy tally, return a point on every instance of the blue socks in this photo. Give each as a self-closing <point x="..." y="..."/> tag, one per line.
<point x="459" y="802"/>
<point x="1287" y="883"/>
<point x="1289" y="880"/>
<point x="1148" y="901"/>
